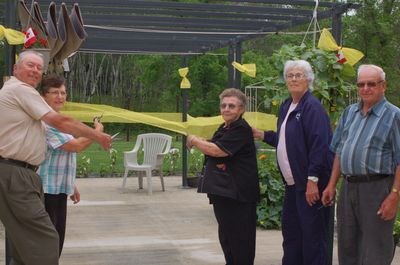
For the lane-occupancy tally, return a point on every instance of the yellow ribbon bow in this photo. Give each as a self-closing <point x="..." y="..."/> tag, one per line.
<point x="13" y="37"/>
<point x="327" y="43"/>
<point x="185" y="84"/>
<point x="248" y="69"/>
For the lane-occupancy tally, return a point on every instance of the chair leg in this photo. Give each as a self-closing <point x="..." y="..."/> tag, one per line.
<point x="140" y="179"/>
<point x="124" y="179"/>
<point x="148" y="177"/>
<point x="162" y="180"/>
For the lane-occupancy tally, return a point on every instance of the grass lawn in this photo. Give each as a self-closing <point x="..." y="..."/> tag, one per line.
<point x="98" y="162"/>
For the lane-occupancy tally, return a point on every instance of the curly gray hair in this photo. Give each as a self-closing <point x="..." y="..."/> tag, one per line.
<point x="234" y="92"/>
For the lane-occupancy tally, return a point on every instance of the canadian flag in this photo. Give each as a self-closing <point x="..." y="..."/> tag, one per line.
<point x="340" y="56"/>
<point x="30" y="38"/>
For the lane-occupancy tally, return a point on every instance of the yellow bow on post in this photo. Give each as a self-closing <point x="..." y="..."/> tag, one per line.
<point x="13" y="37"/>
<point x="345" y="55"/>
<point x="248" y="69"/>
<point x="185" y="83"/>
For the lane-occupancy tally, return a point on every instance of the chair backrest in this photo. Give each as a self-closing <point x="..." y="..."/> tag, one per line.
<point x="154" y="144"/>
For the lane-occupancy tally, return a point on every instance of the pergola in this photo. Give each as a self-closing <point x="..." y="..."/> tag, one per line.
<point x="182" y="28"/>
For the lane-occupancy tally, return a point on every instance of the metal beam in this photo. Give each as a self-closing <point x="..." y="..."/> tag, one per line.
<point x="173" y="26"/>
<point x="238" y="58"/>
<point x="184" y="24"/>
<point x="185" y="108"/>
<point x="157" y="5"/>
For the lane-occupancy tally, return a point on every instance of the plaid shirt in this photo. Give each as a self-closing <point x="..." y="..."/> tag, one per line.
<point x="368" y="144"/>
<point x="58" y="170"/>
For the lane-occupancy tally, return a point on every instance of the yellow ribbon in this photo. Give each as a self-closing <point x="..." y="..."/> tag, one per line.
<point x="200" y="126"/>
<point x="327" y="43"/>
<point x="13" y="37"/>
<point x="185" y="83"/>
<point x="248" y="69"/>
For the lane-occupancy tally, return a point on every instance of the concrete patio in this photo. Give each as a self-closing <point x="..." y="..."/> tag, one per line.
<point x="114" y="226"/>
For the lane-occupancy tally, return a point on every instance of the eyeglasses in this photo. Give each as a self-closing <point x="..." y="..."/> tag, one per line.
<point x="229" y="105"/>
<point x="57" y="93"/>
<point x="33" y="65"/>
<point x="295" y="76"/>
<point x="371" y="84"/>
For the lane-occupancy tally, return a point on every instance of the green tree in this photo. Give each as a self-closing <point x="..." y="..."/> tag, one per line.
<point x="375" y="30"/>
<point x="208" y="76"/>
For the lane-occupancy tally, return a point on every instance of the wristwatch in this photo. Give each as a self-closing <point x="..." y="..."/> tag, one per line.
<point x="396" y="191"/>
<point x="313" y="179"/>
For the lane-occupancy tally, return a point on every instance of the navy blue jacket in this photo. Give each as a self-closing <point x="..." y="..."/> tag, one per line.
<point x="308" y="136"/>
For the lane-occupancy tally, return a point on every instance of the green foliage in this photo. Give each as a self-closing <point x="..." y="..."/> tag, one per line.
<point x="208" y="76"/>
<point x="97" y="162"/>
<point x="83" y="166"/>
<point x="172" y="160"/>
<point x="109" y="169"/>
<point x="375" y="30"/>
<point x="195" y="162"/>
<point x="396" y="230"/>
<point x="269" y="210"/>
<point x="264" y="68"/>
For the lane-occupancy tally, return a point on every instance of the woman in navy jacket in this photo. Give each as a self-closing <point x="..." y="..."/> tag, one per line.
<point x="304" y="160"/>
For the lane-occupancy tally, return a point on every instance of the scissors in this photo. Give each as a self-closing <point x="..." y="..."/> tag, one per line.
<point x="98" y="118"/>
<point x="115" y="135"/>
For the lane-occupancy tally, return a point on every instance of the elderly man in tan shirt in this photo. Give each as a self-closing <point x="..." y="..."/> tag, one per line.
<point x="33" y="238"/>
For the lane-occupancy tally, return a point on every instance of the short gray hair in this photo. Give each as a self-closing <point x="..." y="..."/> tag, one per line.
<point x="234" y="92"/>
<point x="380" y="71"/>
<point x="23" y="55"/>
<point x="302" y="64"/>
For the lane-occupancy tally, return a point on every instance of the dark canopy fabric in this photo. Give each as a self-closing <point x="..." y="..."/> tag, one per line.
<point x="179" y="27"/>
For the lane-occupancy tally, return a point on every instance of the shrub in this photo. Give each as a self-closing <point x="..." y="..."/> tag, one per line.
<point x="83" y="166"/>
<point x="396" y="230"/>
<point x="171" y="161"/>
<point x="195" y="161"/>
<point x="269" y="210"/>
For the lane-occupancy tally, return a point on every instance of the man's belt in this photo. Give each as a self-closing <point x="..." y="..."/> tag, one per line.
<point x="365" y="178"/>
<point x="18" y="163"/>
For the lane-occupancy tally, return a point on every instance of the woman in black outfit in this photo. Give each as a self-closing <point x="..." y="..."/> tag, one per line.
<point x="231" y="179"/>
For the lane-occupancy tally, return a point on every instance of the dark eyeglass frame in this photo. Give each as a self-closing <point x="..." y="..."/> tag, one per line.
<point x="370" y="84"/>
<point x="229" y="105"/>
<point x="57" y="93"/>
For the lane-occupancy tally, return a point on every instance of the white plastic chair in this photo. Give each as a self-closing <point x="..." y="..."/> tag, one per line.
<point x="155" y="147"/>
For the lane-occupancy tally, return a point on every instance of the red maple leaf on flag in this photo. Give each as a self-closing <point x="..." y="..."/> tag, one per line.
<point x="30" y="38"/>
<point x="340" y="57"/>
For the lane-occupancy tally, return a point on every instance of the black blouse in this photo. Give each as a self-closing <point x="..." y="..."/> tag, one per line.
<point x="234" y="176"/>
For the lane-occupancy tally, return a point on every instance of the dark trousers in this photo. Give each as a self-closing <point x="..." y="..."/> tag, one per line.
<point x="32" y="237"/>
<point x="236" y="230"/>
<point x="363" y="237"/>
<point x="56" y="207"/>
<point x="304" y="230"/>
